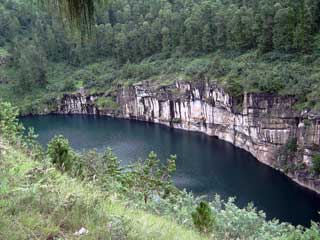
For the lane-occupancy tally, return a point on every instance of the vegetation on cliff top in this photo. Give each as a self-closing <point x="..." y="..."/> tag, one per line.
<point x="255" y="46"/>
<point x="243" y="45"/>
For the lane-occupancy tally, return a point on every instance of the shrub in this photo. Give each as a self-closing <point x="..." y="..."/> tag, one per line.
<point x="203" y="218"/>
<point x="107" y="103"/>
<point x="139" y="71"/>
<point x="10" y="128"/>
<point x="316" y="163"/>
<point x="60" y="153"/>
<point x="287" y="152"/>
<point x="292" y="145"/>
<point x="234" y="87"/>
<point x="151" y="177"/>
<point x="198" y="66"/>
<point x="112" y="163"/>
<point x="176" y="120"/>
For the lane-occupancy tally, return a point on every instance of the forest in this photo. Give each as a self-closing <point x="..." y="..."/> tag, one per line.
<point x="57" y="188"/>
<point x="246" y="46"/>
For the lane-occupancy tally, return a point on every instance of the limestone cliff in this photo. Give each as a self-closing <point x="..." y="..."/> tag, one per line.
<point x="262" y="124"/>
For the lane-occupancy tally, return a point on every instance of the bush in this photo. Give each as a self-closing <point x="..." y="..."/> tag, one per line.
<point x="198" y="66"/>
<point x="316" y="163"/>
<point x="107" y="103"/>
<point x="203" y="218"/>
<point x="292" y="145"/>
<point x="112" y="164"/>
<point x="287" y="152"/>
<point x="151" y="178"/>
<point x="60" y="153"/>
<point x="139" y="71"/>
<point x="145" y="185"/>
<point x="10" y="128"/>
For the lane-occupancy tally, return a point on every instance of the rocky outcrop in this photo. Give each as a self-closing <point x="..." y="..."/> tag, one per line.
<point x="77" y="104"/>
<point x="260" y="123"/>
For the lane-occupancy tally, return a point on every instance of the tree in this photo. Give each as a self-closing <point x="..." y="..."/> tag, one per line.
<point x="241" y="29"/>
<point x="120" y="47"/>
<point x="192" y="34"/>
<point x="203" y="218"/>
<point x="60" y="153"/>
<point x="316" y="163"/>
<point x="166" y="40"/>
<point x="10" y="127"/>
<point x="220" y="36"/>
<point x="32" y="68"/>
<point x="146" y="41"/>
<point x="207" y="39"/>
<point x="111" y="163"/>
<point x="303" y="31"/>
<point x="104" y="40"/>
<point x="314" y="8"/>
<point x="266" y="18"/>
<point x="9" y="26"/>
<point x="152" y="177"/>
<point x="283" y="30"/>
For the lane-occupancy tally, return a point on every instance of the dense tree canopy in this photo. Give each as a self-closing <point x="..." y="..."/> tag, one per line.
<point x="129" y="32"/>
<point x="133" y="30"/>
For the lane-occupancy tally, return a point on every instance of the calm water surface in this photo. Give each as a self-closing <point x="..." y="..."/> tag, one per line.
<point x="205" y="165"/>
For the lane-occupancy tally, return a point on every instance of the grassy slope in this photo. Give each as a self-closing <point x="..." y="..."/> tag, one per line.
<point x="37" y="202"/>
<point x="274" y="72"/>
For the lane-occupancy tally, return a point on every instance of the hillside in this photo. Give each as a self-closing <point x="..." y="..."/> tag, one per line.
<point x="52" y="194"/>
<point x="38" y="202"/>
<point x="244" y="71"/>
<point x="245" y="46"/>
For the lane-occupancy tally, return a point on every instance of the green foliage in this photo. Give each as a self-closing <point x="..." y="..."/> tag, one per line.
<point x="4" y="52"/>
<point x="249" y="46"/>
<point x="316" y="163"/>
<point x="303" y="31"/>
<point x="61" y="154"/>
<point x="80" y="14"/>
<point x="176" y="120"/>
<point x="292" y="145"/>
<point x="13" y="132"/>
<point x="35" y="72"/>
<point x="10" y="128"/>
<point x="283" y="28"/>
<point x="107" y="103"/>
<point x="198" y="66"/>
<point x="146" y="178"/>
<point x="111" y="162"/>
<point x="133" y="31"/>
<point x="38" y="202"/>
<point x="151" y="179"/>
<point x="287" y="152"/>
<point x="203" y="218"/>
<point x="43" y="202"/>
<point x="150" y="176"/>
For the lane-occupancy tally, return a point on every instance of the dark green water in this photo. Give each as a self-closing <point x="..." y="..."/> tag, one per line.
<point x="205" y="165"/>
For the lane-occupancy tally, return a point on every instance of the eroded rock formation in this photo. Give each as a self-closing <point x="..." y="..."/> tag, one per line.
<point x="262" y="124"/>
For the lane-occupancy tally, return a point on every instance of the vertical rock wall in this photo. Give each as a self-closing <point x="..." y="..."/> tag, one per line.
<point x="264" y="125"/>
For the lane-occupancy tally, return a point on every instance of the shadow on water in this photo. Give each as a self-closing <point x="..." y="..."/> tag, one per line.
<point x="205" y="165"/>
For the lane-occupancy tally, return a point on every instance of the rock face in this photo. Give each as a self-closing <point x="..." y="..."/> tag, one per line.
<point x="263" y="126"/>
<point x="77" y="104"/>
